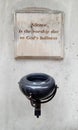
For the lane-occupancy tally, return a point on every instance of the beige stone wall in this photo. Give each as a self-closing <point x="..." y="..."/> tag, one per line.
<point x="16" y="112"/>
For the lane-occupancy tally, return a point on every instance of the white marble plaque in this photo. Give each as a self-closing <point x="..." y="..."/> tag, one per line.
<point x="39" y="33"/>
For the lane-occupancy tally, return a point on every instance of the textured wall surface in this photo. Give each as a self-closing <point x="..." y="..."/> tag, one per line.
<point x="15" y="110"/>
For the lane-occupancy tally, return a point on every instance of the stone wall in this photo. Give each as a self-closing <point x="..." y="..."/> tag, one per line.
<point x="16" y="112"/>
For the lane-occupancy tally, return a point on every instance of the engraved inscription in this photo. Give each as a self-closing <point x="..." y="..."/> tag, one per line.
<point x="25" y="33"/>
<point x="39" y="33"/>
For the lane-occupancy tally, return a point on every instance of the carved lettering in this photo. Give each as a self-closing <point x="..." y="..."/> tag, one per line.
<point x="43" y="34"/>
